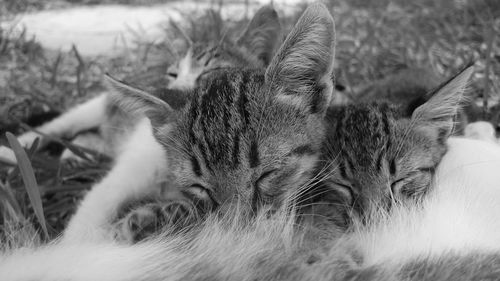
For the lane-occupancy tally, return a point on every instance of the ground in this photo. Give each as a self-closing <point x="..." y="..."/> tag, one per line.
<point x="374" y="37"/>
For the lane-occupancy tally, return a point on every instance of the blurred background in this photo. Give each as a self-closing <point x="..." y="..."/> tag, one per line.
<point x="53" y="54"/>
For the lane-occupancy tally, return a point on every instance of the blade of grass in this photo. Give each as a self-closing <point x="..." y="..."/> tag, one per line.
<point x="31" y="153"/>
<point x="29" y="180"/>
<point x="7" y="195"/>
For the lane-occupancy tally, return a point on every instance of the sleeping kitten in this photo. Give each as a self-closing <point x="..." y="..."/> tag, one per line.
<point x="253" y="48"/>
<point x="381" y="157"/>
<point x="245" y="135"/>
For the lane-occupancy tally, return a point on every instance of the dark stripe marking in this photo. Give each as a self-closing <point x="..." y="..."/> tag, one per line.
<point x="196" y="166"/>
<point x="253" y="155"/>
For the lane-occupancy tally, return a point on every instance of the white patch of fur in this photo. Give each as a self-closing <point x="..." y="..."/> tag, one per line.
<point x="79" y="261"/>
<point x="234" y="252"/>
<point x="186" y="74"/>
<point x="461" y="214"/>
<point x="481" y="130"/>
<point x="134" y="175"/>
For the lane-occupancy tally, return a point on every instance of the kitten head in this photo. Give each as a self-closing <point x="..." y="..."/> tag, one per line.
<point x="254" y="48"/>
<point x="249" y="134"/>
<point x="378" y="156"/>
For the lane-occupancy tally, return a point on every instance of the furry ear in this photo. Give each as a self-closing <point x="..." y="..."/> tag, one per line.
<point x="301" y="71"/>
<point x="436" y="116"/>
<point x="185" y="41"/>
<point x="263" y="34"/>
<point x="137" y="102"/>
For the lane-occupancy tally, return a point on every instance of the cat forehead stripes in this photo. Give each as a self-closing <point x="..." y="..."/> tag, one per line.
<point x="219" y="117"/>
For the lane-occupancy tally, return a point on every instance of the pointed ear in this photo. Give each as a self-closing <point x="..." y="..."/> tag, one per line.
<point x="436" y="116"/>
<point x="137" y="102"/>
<point x="301" y="71"/>
<point x="184" y="36"/>
<point x="263" y="34"/>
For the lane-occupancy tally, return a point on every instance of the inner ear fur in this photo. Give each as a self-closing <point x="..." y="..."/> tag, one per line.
<point x="302" y="69"/>
<point x="263" y="34"/>
<point x="436" y="116"/>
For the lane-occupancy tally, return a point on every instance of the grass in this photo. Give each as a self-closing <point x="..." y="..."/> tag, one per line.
<point x="374" y="38"/>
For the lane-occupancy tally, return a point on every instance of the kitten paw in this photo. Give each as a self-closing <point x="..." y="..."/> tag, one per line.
<point x="151" y="218"/>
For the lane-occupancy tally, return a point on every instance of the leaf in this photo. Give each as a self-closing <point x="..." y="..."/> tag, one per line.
<point x="29" y="180"/>
<point x="7" y="195"/>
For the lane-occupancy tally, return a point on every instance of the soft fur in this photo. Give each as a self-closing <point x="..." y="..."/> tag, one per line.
<point x="452" y="235"/>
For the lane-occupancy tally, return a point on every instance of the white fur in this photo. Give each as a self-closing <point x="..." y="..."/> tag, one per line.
<point x="85" y="116"/>
<point x="481" y="130"/>
<point x="186" y="74"/>
<point x="462" y="213"/>
<point x="82" y="261"/>
<point x="135" y="173"/>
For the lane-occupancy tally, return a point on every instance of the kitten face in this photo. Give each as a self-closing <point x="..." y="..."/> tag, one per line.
<point x="253" y="49"/>
<point x="248" y="135"/>
<point x="377" y="157"/>
<point x="380" y="157"/>
<point x="234" y="139"/>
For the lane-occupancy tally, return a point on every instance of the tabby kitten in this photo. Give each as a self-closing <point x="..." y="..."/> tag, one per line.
<point x="381" y="157"/>
<point x="246" y="136"/>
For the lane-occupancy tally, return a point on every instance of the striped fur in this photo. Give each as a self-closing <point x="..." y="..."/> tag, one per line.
<point x="382" y="157"/>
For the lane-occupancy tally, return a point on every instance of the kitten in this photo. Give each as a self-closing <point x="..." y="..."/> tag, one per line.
<point x="253" y="49"/>
<point x="381" y="157"/>
<point x="245" y="135"/>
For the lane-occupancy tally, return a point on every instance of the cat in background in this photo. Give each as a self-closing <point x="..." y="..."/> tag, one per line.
<point x="244" y="136"/>
<point x="254" y="48"/>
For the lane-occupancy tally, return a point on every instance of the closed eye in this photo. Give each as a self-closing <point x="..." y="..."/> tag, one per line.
<point x="397" y="185"/>
<point x="427" y="170"/>
<point x="258" y="195"/>
<point x="172" y="74"/>
<point x="345" y="190"/>
<point x="263" y="176"/>
<point x="211" y="70"/>
<point x="202" y="189"/>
